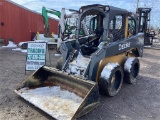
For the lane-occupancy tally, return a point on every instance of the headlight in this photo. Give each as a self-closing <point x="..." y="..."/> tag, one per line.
<point x="81" y="10"/>
<point x="107" y="8"/>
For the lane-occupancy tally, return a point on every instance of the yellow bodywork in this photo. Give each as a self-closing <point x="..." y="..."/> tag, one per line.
<point x="120" y="59"/>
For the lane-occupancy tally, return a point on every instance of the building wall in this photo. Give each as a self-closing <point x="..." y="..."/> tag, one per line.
<point x="21" y="24"/>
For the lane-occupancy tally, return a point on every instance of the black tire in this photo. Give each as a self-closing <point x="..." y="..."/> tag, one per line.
<point x="130" y="75"/>
<point x="24" y="46"/>
<point x="112" y="85"/>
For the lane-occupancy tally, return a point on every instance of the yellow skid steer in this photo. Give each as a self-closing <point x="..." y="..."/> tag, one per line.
<point x="98" y="60"/>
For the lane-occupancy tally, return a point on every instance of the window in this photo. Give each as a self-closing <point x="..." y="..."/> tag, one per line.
<point x="93" y="24"/>
<point x="131" y="26"/>
<point x="117" y="28"/>
<point x="116" y="23"/>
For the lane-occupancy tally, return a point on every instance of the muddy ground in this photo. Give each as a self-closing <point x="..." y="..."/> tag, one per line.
<point x="140" y="101"/>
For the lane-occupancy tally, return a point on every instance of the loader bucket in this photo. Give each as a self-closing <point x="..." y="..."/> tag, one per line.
<point x="60" y="95"/>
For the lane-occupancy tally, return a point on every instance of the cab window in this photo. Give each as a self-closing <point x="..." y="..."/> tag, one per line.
<point x="117" y="28"/>
<point x="131" y="26"/>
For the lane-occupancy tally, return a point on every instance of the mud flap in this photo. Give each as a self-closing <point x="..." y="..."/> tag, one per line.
<point x="60" y="95"/>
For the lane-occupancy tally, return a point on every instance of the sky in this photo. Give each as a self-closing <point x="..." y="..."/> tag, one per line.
<point x="130" y="5"/>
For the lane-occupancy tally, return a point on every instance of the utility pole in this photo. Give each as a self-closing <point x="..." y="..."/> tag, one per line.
<point x="137" y="6"/>
<point x="137" y="3"/>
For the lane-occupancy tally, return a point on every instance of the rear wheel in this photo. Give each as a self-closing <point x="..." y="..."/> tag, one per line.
<point x="131" y="70"/>
<point x="111" y="79"/>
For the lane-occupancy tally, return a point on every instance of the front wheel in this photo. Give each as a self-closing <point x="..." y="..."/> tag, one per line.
<point x="111" y="79"/>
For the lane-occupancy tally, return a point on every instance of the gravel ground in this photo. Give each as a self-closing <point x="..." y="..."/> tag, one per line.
<point x="140" y="101"/>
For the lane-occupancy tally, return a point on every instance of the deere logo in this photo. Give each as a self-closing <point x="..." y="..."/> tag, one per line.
<point x="123" y="46"/>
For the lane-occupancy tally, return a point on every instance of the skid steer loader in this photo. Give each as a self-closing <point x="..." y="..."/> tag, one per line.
<point x="98" y="60"/>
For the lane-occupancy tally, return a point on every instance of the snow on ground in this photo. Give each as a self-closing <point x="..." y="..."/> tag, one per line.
<point x="10" y="45"/>
<point x="58" y="55"/>
<point x="107" y="70"/>
<point x="14" y="47"/>
<point x="127" y="65"/>
<point x="19" y="49"/>
<point x="58" y="103"/>
<point x="148" y="46"/>
<point x="24" y="51"/>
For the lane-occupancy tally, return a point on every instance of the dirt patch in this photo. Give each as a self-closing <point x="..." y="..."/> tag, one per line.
<point x="134" y="102"/>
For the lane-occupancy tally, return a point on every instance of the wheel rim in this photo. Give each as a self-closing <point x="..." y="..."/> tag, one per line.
<point x="116" y="81"/>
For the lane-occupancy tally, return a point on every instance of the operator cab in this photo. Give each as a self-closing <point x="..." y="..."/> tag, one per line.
<point x="101" y="26"/>
<point x="91" y="23"/>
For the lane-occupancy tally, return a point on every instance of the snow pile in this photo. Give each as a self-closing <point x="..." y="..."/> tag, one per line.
<point x="58" y="55"/>
<point x="10" y="45"/>
<point x="79" y="65"/>
<point x="58" y="103"/>
<point x="24" y="51"/>
<point x="74" y="69"/>
<point x="128" y="63"/>
<point x="106" y="72"/>
<point x="82" y="61"/>
<point x="19" y="49"/>
<point x="148" y="46"/>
